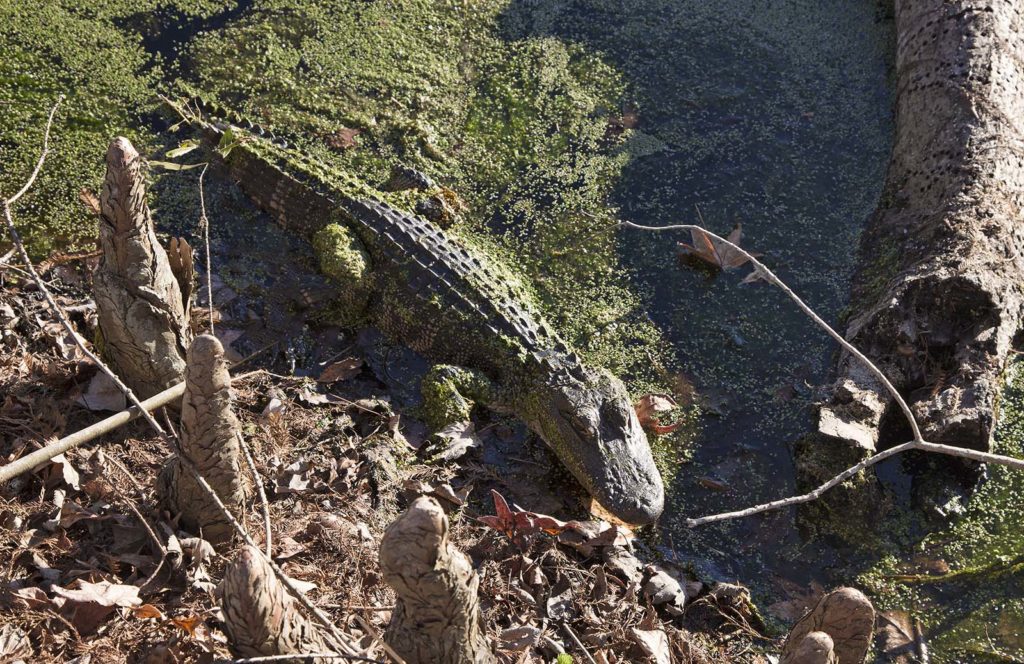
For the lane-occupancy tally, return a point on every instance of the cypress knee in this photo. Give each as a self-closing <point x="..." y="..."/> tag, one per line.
<point x="437" y="616"/>
<point x="143" y="326"/>
<point x="260" y="617"/>
<point x="210" y="438"/>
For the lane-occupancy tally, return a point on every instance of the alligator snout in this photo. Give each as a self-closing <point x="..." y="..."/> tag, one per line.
<point x="590" y="424"/>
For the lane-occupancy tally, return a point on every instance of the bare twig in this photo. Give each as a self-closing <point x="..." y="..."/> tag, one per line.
<point x="264" y="503"/>
<point x="305" y="657"/>
<point x="39" y="164"/>
<point x="204" y="225"/>
<point x="157" y="542"/>
<point x="575" y="639"/>
<point x="378" y="637"/>
<point x="918" y="442"/>
<point x="770" y="276"/>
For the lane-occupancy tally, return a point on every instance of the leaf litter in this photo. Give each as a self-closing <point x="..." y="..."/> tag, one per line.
<point x="85" y="573"/>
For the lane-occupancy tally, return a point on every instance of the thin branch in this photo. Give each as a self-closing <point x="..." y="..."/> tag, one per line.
<point x="298" y="658"/>
<point x="204" y="225"/>
<point x="918" y="443"/>
<point x="575" y="639"/>
<point x="770" y="276"/>
<point x="42" y="155"/>
<point x="264" y="503"/>
<point x="807" y="497"/>
<point x="378" y="637"/>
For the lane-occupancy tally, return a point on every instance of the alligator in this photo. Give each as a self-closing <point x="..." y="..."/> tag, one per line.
<point x="446" y="298"/>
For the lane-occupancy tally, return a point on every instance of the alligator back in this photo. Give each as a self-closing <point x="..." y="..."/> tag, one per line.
<point x="434" y="292"/>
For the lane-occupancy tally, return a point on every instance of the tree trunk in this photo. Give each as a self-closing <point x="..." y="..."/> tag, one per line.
<point x="142" y="318"/>
<point x="437" y="617"/>
<point x="938" y="293"/>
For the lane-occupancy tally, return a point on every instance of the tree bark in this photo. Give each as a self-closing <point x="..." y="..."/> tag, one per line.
<point x="938" y="292"/>
<point x="142" y="317"/>
<point x="437" y="617"/>
<point x="209" y="436"/>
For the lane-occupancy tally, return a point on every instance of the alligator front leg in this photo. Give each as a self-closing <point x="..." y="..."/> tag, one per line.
<point x="343" y="258"/>
<point x="449" y="393"/>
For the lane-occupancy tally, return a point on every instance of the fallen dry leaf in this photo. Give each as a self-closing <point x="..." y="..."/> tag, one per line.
<point x="102" y="394"/>
<point x="147" y="612"/>
<point x="188" y="624"/>
<point x="88" y="604"/>
<point x="452" y="442"/>
<point x="341" y="370"/>
<point x="653" y="643"/>
<point x="518" y="639"/>
<point x="14" y="643"/>
<point x="647" y="408"/>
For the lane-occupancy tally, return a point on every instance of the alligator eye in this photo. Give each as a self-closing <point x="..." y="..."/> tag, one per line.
<point x="584" y="428"/>
<point x="613" y="414"/>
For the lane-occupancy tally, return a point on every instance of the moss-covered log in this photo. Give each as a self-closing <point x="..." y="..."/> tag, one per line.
<point x="937" y="298"/>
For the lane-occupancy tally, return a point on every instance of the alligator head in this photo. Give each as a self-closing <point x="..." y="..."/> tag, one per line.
<point x="586" y="417"/>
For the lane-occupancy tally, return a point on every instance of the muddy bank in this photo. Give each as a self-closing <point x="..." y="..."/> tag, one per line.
<point x="937" y="296"/>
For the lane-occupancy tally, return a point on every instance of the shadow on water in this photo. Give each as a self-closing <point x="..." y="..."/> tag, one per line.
<point x="776" y="116"/>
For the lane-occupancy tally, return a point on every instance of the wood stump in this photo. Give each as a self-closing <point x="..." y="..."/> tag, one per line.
<point x="939" y="292"/>
<point x="437" y="616"/>
<point x="210" y="438"/>
<point x="143" y="323"/>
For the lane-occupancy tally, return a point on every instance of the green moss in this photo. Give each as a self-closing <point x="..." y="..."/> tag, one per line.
<point x="341" y="256"/>
<point x="449" y="394"/>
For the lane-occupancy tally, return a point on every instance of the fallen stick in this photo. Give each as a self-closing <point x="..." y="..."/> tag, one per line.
<point x="31" y="461"/>
<point x="35" y="459"/>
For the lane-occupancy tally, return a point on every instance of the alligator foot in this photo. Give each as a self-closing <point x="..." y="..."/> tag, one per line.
<point x="343" y="258"/>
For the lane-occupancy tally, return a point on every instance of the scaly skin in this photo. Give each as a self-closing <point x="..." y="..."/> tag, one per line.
<point x="456" y="305"/>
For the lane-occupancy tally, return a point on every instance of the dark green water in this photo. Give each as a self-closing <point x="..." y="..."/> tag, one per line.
<point x="777" y="116"/>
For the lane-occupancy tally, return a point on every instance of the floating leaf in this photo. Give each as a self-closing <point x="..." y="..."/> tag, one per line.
<point x="647" y="409"/>
<point x="171" y="166"/>
<point x="714" y="252"/>
<point x="183" y="149"/>
<point x="343" y="139"/>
